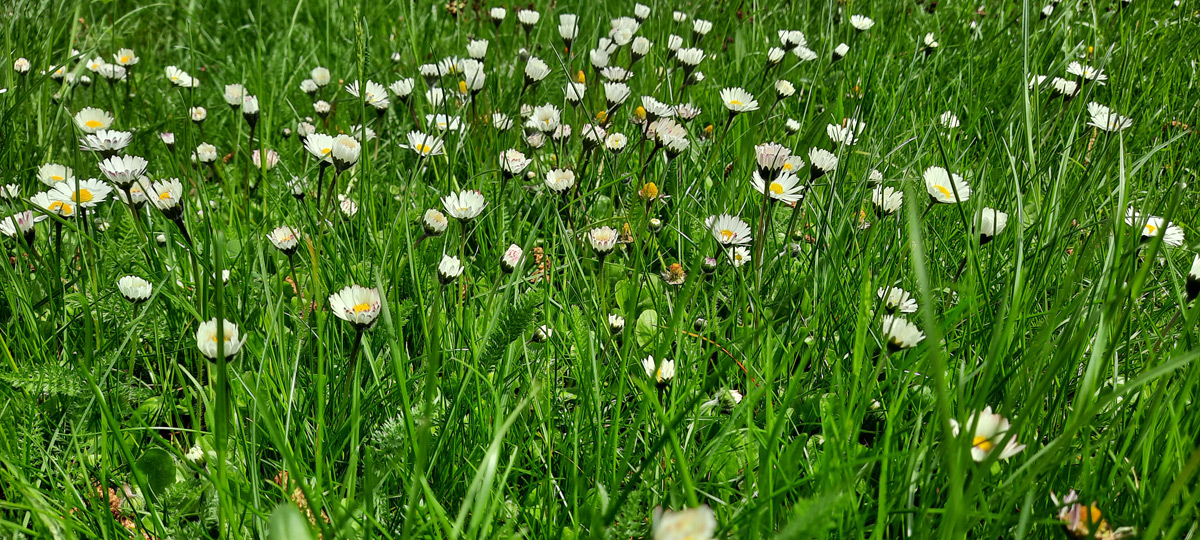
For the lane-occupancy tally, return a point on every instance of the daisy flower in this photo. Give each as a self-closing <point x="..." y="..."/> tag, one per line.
<point x="692" y="524"/>
<point x="948" y="120"/>
<point x="91" y="119"/>
<point x="900" y="334"/>
<point x="198" y="114"/>
<point x="52" y="174"/>
<point x="528" y="18"/>
<point x="20" y="224"/>
<point x="123" y="170"/>
<point x="862" y="23"/>
<point x="513" y="162"/>
<point x="784" y="89"/>
<point x="356" y="305"/>
<point x="737" y="100"/>
<point x="602" y="240"/>
<point x="85" y="193"/>
<point x="1102" y="117"/>
<point x="477" y="48"/>
<point x="944" y="187"/>
<point x="661" y="372"/>
<point x="54" y="204"/>
<point x="1064" y="87"/>
<point x="320" y="76"/>
<point x="739" y="256"/>
<point x="403" y="88"/>
<point x="449" y="268"/>
<point x="989" y="429"/>
<point x="105" y="141"/>
<point x="887" y="200"/>
<point x="206" y="153"/>
<point x="560" y="180"/>
<point x="1193" y="279"/>
<point x="373" y="93"/>
<point x="424" y="145"/>
<point x="167" y="196"/>
<point x="134" y="289"/>
<point x="897" y="299"/>
<point x="615" y="93"/>
<point x="126" y="57"/>
<point x="285" y="239"/>
<point x="233" y="95"/>
<point x="616" y="142"/>
<point x="535" y="70"/>
<point x="180" y="78"/>
<point x="206" y="338"/>
<point x="464" y="205"/>
<point x="1086" y="73"/>
<point x="729" y="230"/>
<point x="785" y="187"/>
<point x="1152" y="226"/>
<point x="840" y="51"/>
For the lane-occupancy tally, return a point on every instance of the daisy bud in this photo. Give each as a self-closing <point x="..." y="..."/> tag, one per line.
<point x="602" y="240"/>
<point x="449" y="269"/>
<point x="206" y="339"/>
<point x="840" y="51"/>
<point x="511" y="258"/>
<point x="168" y="139"/>
<point x="709" y="265"/>
<point x="616" y="323"/>
<point x="655" y="225"/>
<point x="542" y="334"/>
<point x="134" y="289"/>
<point x="700" y="324"/>
<point x="285" y="239"/>
<point x="21" y="66"/>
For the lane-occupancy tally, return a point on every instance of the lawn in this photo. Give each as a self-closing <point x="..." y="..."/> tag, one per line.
<point x="293" y="269"/>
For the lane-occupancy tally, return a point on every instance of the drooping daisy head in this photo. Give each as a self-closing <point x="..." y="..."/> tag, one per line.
<point x="944" y="187"/>
<point x="728" y="230"/>
<point x="822" y="162"/>
<point x="230" y="341"/>
<point x="356" y="305"/>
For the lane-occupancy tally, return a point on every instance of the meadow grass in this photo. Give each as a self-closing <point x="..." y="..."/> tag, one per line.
<point x="516" y="404"/>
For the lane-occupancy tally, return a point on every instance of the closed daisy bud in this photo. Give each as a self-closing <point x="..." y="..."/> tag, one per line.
<point x="198" y="114"/>
<point x="792" y="126"/>
<point x="991" y="223"/>
<point x="771" y="158"/>
<point x="21" y="66"/>
<point x="640" y="48"/>
<point x="356" y="305"/>
<point x="823" y="162"/>
<point x="615" y="142"/>
<point x="944" y="187"/>
<point x="348" y="207"/>
<point x="234" y="94"/>
<point x="206" y="153"/>
<point x="477" y="48"/>
<point x="542" y="334"/>
<point x="840" y="51"/>
<point x="206" y="339"/>
<point x="616" y="323"/>
<point x="320" y="76"/>
<point x="988" y="430"/>
<point x="900" y="334"/>
<point x="511" y="258"/>
<point x="285" y="239"/>
<point x="21" y="224"/>
<point x="497" y="14"/>
<point x="309" y="87"/>
<point x="528" y="18"/>
<point x="134" y="289"/>
<point x="784" y="89"/>
<point x="434" y="222"/>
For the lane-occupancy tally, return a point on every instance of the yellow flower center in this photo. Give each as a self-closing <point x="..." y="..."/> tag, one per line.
<point x="94" y="124"/>
<point x="424" y="148"/>
<point x="62" y="208"/>
<point x="125" y="59"/>
<point x="326" y="151"/>
<point x="650" y="190"/>
<point x="164" y="195"/>
<point x="777" y="188"/>
<point x="787" y="166"/>
<point x="462" y="87"/>
<point x="56" y="178"/>
<point x="727" y="235"/>
<point x="359" y="308"/>
<point x="82" y="196"/>
<point x="1151" y="229"/>
<point x="640" y="112"/>
<point x="735" y="102"/>
<point x="945" y="192"/>
<point x="601" y="116"/>
<point x="580" y="78"/>
<point x="982" y="443"/>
